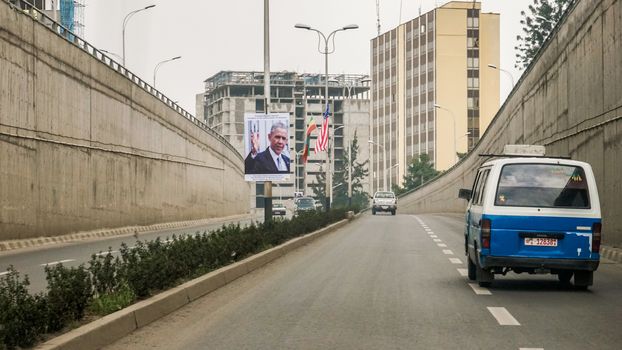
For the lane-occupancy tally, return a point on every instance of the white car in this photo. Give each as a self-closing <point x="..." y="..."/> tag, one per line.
<point x="384" y="201"/>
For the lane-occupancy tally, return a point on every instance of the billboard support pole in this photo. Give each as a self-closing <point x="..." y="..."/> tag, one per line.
<point x="266" y="89"/>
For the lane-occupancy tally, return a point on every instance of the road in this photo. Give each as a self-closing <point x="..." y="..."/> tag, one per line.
<point x="391" y="282"/>
<point x="31" y="262"/>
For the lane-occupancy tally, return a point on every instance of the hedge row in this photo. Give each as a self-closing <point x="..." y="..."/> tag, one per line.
<point x="110" y="283"/>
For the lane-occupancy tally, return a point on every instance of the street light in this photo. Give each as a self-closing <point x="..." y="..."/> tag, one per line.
<point x="504" y="71"/>
<point x="125" y="20"/>
<point x="384" y="163"/>
<point x="155" y="70"/>
<point x="326" y="52"/>
<point x="453" y="119"/>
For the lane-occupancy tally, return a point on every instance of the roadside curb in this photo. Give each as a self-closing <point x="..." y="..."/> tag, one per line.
<point x="108" y="329"/>
<point x="611" y="253"/>
<point x="80" y="236"/>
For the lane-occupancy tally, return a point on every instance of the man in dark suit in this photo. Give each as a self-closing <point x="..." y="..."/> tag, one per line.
<point x="272" y="160"/>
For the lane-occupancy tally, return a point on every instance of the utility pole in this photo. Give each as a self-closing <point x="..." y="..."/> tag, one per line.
<point x="266" y="89"/>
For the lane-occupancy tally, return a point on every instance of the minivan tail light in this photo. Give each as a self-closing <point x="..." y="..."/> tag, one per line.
<point x="485" y="232"/>
<point x="596" y="228"/>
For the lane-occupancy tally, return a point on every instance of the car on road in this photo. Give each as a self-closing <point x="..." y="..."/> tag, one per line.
<point x="384" y="201"/>
<point x="278" y="209"/>
<point x="534" y="214"/>
<point x="304" y="204"/>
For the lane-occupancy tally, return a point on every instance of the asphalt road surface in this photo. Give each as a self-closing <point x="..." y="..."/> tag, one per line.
<point x="31" y="261"/>
<point x="391" y="282"/>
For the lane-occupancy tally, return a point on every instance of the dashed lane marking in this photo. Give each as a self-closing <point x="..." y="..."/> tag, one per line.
<point x="463" y="272"/>
<point x="106" y="253"/>
<point x="479" y="290"/>
<point x="455" y="261"/>
<point x="442" y="245"/>
<point x="437" y="240"/>
<point x="58" y="262"/>
<point x="448" y="252"/>
<point x="433" y="236"/>
<point x="503" y="316"/>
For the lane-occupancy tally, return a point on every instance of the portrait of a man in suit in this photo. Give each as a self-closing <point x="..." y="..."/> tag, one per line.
<point x="271" y="160"/>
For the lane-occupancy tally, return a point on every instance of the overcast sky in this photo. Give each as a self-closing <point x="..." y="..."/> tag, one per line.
<point x="215" y="35"/>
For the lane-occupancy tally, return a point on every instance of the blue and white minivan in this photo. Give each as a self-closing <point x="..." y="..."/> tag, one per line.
<point x="529" y="213"/>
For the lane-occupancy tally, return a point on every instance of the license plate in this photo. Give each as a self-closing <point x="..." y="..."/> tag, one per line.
<point x="384" y="207"/>
<point x="541" y="242"/>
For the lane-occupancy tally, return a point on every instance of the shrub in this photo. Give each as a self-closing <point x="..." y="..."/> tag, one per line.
<point x="22" y="316"/>
<point x="69" y="291"/>
<point x="112" y="301"/>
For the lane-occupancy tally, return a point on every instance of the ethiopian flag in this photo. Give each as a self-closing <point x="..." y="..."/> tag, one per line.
<point x="310" y="127"/>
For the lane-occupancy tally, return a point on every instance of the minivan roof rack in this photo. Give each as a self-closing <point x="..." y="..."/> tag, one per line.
<point x="490" y="155"/>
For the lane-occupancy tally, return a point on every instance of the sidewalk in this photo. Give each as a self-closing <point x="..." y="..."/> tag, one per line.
<point x="120" y="231"/>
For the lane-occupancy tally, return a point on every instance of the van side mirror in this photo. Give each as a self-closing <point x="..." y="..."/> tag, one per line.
<point x="464" y="194"/>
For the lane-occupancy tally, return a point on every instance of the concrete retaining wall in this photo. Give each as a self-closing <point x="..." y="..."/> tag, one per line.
<point x="569" y="100"/>
<point x="82" y="147"/>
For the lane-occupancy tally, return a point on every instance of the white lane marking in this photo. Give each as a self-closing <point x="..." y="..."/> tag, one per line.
<point x="433" y="236"/>
<point x="442" y="245"/>
<point x="4" y="273"/>
<point x="463" y="272"/>
<point x="58" y="262"/>
<point x="455" y="261"/>
<point x="437" y="240"/>
<point x="479" y="290"/>
<point x="427" y="229"/>
<point x="503" y="316"/>
<point x="530" y="348"/>
<point x="448" y="252"/>
<point x="106" y="253"/>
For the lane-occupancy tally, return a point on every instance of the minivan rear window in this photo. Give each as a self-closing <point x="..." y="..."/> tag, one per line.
<point x="542" y="185"/>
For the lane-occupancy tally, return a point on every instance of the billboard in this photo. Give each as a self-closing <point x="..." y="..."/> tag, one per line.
<point x="266" y="147"/>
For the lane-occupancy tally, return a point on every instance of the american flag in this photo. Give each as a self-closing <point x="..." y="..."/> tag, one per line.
<point x="321" y="144"/>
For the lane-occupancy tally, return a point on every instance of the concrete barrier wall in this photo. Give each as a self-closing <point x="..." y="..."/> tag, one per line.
<point x="569" y="100"/>
<point x="83" y="147"/>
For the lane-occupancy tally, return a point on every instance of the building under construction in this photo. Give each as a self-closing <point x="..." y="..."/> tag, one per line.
<point x="230" y="94"/>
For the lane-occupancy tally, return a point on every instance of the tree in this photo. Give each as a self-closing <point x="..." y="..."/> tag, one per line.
<point x="340" y="178"/>
<point x="537" y="26"/>
<point x="419" y="171"/>
<point x="319" y="187"/>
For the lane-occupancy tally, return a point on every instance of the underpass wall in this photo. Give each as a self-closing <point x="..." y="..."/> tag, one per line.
<point x="83" y="147"/>
<point x="570" y="100"/>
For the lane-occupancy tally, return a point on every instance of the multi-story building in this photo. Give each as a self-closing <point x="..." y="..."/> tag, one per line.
<point x="230" y="94"/>
<point x="432" y="91"/>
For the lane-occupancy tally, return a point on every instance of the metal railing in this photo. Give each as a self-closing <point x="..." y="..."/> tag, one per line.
<point x="38" y="15"/>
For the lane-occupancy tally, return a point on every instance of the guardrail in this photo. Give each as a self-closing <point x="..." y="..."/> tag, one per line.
<point x="30" y="10"/>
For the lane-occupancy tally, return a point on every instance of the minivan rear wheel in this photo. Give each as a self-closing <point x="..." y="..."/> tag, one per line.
<point x="564" y="276"/>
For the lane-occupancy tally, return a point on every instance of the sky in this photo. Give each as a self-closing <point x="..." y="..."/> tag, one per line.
<point x="216" y="35"/>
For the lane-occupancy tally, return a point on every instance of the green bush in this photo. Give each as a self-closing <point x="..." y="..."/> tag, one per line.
<point x="110" y="284"/>
<point x="69" y="292"/>
<point x="22" y="316"/>
<point x="112" y="301"/>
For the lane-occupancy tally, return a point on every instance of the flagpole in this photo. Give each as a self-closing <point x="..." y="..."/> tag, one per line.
<point x="329" y="179"/>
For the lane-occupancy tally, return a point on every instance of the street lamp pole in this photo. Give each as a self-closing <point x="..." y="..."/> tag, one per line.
<point x="504" y="71"/>
<point x="326" y="52"/>
<point x="125" y="20"/>
<point x="453" y="119"/>
<point x="384" y="164"/>
<point x="155" y="70"/>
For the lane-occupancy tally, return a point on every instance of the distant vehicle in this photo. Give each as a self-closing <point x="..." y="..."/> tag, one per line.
<point x="318" y="204"/>
<point x="278" y="209"/>
<point x="384" y="201"/>
<point x="529" y="213"/>
<point x="305" y="204"/>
